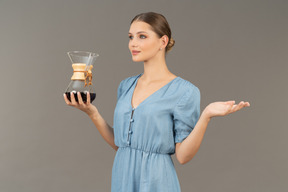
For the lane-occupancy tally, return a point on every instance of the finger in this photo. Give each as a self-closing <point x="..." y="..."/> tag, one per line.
<point x="242" y="105"/>
<point x="247" y="104"/>
<point x="230" y="102"/>
<point x="239" y="106"/>
<point x="231" y="108"/>
<point x="80" y="101"/>
<point x="88" y="97"/>
<point x="66" y="99"/>
<point x="72" y="98"/>
<point x="234" y="108"/>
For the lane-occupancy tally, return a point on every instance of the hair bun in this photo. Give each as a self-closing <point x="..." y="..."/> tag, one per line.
<point x="170" y="44"/>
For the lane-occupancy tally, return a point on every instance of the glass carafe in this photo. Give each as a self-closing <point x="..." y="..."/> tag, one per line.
<point x="81" y="80"/>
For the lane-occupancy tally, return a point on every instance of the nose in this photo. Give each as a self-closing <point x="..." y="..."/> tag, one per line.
<point x="133" y="43"/>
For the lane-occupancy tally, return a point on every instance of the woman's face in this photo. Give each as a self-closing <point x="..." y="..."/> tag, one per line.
<point x="144" y="43"/>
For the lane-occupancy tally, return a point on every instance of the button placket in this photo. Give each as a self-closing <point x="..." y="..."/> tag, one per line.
<point x="130" y="131"/>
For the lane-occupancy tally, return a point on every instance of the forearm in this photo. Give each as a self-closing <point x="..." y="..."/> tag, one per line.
<point x="104" y="129"/>
<point x="189" y="147"/>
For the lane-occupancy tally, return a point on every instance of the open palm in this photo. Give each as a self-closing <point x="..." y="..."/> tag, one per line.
<point x="224" y="108"/>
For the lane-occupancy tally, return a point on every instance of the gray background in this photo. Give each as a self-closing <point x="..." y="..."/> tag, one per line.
<point x="229" y="49"/>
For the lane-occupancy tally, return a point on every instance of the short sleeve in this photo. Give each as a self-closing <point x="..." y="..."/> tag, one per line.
<point x="119" y="90"/>
<point x="186" y="114"/>
<point x="119" y="93"/>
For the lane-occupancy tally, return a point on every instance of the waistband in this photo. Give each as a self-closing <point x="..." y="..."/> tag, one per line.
<point x="142" y="150"/>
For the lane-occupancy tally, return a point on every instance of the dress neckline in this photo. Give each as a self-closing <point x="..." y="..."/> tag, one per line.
<point x="147" y="98"/>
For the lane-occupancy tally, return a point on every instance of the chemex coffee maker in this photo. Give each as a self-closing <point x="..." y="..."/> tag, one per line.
<point x="81" y="80"/>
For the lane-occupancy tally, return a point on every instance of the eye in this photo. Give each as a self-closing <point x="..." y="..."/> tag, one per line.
<point x="142" y="37"/>
<point x="130" y="37"/>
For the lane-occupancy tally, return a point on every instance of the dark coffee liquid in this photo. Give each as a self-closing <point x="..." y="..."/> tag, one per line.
<point x="83" y="95"/>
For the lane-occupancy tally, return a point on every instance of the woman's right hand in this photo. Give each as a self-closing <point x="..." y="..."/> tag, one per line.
<point x="87" y="107"/>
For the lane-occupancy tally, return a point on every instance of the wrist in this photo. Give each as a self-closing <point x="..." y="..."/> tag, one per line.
<point x="93" y="114"/>
<point x="206" y="115"/>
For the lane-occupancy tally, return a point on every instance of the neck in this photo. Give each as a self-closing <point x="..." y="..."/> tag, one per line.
<point x="155" y="69"/>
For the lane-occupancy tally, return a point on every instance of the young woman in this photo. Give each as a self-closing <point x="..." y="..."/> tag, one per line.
<point x="155" y="114"/>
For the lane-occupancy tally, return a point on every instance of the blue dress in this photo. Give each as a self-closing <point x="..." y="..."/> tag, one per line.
<point x="146" y="135"/>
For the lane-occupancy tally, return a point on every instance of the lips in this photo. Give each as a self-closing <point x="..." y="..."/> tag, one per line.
<point x="135" y="52"/>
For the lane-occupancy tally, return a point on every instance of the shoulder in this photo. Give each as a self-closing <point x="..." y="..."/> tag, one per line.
<point x="187" y="87"/>
<point x="125" y="84"/>
<point x="189" y="93"/>
<point x="129" y="80"/>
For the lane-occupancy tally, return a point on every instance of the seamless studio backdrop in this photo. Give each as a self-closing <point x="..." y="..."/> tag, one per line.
<point x="228" y="49"/>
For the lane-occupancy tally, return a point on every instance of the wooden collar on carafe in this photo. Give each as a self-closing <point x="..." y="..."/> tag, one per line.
<point x="81" y="74"/>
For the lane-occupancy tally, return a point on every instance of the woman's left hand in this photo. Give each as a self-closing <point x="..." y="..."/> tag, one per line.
<point x="224" y="108"/>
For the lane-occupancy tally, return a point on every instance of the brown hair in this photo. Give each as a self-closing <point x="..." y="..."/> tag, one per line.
<point x="158" y="24"/>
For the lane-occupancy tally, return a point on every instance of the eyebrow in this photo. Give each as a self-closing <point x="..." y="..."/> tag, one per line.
<point x="139" y="32"/>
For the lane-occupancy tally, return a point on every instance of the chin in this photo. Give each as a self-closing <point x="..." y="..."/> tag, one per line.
<point x="137" y="59"/>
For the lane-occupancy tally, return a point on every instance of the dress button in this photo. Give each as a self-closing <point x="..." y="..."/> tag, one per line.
<point x="131" y="120"/>
<point x="130" y="131"/>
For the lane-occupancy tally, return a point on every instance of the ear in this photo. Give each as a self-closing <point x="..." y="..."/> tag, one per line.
<point x="164" y="41"/>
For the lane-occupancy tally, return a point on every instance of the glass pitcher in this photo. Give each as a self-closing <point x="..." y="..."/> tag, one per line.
<point x="81" y="80"/>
